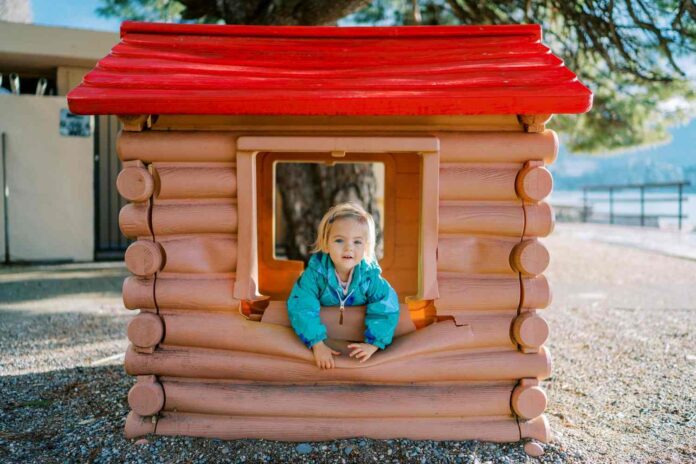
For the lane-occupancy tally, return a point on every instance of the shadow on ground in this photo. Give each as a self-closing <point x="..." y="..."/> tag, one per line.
<point x="32" y="286"/>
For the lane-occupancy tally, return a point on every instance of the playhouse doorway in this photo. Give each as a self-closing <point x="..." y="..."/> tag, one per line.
<point x="399" y="219"/>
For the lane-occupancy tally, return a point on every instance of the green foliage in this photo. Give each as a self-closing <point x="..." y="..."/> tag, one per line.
<point x="626" y="114"/>
<point x="142" y="10"/>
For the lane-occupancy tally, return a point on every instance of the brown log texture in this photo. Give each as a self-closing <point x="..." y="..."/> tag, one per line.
<point x="204" y="254"/>
<point x="490" y="255"/>
<point x="396" y="366"/>
<point x="211" y="294"/>
<point x="490" y="147"/>
<point x="232" y="331"/>
<point x="255" y="399"/>
<point x="495" y="428"/>
<point x="495" y="218"/>
<point x="133" y="220"/>
<point x="151" y="146"/>
<point x="528" y="400"/>
<point x="530" y="330"/>
<point x="194" y="217"/>
<point x="479" y="293"/>
<point x="534" y="182"/>
<point x="135" y="183"/>
<point x="470" y="181"/>
<point x="529" y="257"/>
<point x="195" y="180"/>
<point x="540" y="220"/>
<point x="144" y="258"/>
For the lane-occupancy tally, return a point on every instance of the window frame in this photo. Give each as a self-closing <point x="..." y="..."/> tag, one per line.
<point x="249" y="147"/>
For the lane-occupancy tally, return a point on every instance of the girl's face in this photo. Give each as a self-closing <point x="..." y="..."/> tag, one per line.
<point x="347" y="244"/>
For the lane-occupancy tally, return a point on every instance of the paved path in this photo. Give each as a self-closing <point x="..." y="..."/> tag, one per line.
<point x="666" y="242"/>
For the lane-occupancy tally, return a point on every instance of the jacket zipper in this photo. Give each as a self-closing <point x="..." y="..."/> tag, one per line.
<point x="343" y="304"/>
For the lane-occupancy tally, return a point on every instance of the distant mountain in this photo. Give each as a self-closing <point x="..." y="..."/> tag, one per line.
<point x="674" y="161"/>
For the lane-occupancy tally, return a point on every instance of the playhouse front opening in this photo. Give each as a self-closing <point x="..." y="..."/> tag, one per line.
<point x="407" y="250"/>
<point x="399" y="260"/>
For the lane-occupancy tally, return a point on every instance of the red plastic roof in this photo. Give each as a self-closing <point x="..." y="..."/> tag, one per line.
<point x="284" y="70"/>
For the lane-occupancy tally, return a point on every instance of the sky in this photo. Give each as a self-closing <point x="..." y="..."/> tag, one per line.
<point x="72" y="13"/>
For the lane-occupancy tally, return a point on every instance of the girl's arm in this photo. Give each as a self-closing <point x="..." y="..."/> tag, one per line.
<point x="382" y="313"/>
<point x="303" y="309"/>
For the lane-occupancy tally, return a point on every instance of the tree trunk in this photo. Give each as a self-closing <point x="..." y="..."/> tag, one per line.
<point x="308" y="190"/>
<point x="273" y="12"/>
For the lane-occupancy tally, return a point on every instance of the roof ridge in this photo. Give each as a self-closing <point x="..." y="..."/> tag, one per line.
<point x="353" y="32"/>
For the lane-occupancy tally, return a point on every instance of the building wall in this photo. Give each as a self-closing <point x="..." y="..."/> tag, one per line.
<point x="50" y="181"/>
<point x="28" y="46"/>
<point x="69" y="77"/>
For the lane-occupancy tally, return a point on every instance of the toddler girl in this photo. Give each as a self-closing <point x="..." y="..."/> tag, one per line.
<point x="343" y="271"/>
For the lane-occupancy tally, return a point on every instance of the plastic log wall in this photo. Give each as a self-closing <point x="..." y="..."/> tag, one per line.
<point x="467" y="369"/>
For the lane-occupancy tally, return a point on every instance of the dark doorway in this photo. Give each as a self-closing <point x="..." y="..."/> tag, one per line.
<point x="109" y="242"/>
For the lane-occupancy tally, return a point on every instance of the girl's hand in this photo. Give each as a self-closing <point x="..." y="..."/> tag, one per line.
<point x="362" y="351"/>
<point x="323" y="356"/>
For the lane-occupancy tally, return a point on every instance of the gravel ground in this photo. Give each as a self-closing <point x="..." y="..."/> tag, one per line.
<point x="623" y="387"/>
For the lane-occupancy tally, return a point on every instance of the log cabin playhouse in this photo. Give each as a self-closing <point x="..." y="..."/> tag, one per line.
<point x="455" y="114"/>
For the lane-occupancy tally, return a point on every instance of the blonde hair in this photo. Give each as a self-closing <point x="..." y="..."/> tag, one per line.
<point x="345" y="211"/>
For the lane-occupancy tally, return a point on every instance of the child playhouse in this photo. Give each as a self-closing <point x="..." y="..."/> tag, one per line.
<point x="455" y="114"/>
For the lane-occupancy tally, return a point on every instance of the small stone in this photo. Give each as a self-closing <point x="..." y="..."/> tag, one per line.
<point x="347" y="450"/>
<point x="389" y="452"/>
<point x="142" y="441"/>
<point x="533" y="449"/>
<point x="362" y="443"/>
<point x="304" y="448"/>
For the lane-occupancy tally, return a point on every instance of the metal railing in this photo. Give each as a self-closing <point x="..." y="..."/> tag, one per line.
<point x="612" y="199"/>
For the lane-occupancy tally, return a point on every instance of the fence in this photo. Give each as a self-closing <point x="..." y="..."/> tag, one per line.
<point x="614" y="197"/>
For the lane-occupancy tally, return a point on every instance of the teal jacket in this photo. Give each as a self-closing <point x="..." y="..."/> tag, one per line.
<point x="318" y="286"/>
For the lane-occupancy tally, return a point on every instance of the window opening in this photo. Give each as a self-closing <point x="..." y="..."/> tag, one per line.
<point x="305" y="191"/>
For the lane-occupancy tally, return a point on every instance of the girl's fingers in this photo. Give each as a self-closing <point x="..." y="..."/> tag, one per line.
<point x="337" y="353"/>
<point x="356" y="351"/>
